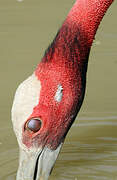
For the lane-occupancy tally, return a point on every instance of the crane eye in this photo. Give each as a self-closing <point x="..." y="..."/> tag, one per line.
<point x="34" y="125"/>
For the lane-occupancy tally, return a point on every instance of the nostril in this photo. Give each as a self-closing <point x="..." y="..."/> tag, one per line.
<point x="34" y="125"/>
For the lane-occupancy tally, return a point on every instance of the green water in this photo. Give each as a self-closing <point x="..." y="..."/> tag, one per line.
<point x="90" y="149"/>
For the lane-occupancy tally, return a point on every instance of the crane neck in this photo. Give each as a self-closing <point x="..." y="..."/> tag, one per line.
<point x="73" y="41"/>
<point x="87" y="15"/>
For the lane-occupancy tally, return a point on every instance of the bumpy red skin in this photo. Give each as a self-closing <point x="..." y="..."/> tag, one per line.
<point x="65" y="64"/>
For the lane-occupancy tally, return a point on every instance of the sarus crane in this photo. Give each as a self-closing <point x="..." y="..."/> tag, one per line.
<point x="47" y="103"/>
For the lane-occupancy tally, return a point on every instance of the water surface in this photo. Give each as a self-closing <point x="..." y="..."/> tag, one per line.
<point x="90" y="149"/>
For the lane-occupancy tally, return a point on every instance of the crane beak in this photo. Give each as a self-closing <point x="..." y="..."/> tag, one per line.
<point x="37" y="164"/>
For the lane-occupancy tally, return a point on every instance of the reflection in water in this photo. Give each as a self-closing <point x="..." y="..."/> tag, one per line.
<point x="90" y="149"/>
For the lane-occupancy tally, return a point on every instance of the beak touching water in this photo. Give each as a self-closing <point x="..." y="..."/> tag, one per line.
<point x="37" y="164"/>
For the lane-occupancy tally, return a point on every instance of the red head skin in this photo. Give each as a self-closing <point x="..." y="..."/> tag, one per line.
<point x="65" y="63"/>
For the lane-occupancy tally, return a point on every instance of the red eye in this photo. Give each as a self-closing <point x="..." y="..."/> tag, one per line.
<point x="34" y="125"/>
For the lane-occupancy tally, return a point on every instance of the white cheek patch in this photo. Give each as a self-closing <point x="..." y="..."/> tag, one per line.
<point x="26" y="98"/>
<point x="59" y="94"/>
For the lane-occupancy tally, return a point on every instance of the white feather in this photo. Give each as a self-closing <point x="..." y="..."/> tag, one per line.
<point x="26" y="98"/>
<point x="59" y="94"/>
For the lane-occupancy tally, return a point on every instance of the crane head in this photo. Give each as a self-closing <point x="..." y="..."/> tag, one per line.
<point x="44" y="108"/>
